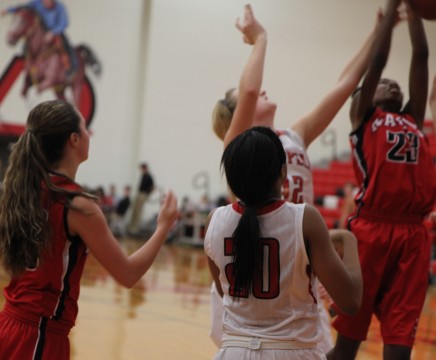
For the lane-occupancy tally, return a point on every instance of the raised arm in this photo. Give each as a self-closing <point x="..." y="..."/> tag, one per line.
<point x="341" y="278"/>
<point x="418" y="77"/>
<point x="379" y="57"/>
<point x="252" y="75"/>
<point x="311" y="125"/>
<point x="432" y="102"/>
<point x="90" y="224"/>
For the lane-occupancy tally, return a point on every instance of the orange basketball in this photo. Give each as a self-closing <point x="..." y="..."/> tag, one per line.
<point x="424" y="8"/>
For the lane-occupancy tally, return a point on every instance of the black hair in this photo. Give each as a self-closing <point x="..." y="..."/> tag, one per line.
<point x="253" y="164"/>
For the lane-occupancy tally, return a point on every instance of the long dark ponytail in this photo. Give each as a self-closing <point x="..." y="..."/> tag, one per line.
<point x="252" y="163"/>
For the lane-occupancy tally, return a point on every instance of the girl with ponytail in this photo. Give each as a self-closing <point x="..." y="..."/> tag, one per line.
<point x="263" y="254"/>
<point x="48" y="223"/>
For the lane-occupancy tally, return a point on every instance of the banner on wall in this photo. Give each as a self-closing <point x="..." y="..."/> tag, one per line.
<point x="48" y="60"/>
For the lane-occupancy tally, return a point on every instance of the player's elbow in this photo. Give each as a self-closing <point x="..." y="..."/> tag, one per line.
<point x="352" y="303"/>
<point x="250" y="92"/>
<point x="127" y="279"/>
<point x="128" y="283"/>
<point x="352" y="307"/>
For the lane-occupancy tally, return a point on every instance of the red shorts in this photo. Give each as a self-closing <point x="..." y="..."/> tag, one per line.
<point x="21" y="339"/>
<point x="395" y="260"/>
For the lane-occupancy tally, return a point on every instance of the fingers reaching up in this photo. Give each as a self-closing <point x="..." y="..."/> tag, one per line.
<point x="250" y="28"/>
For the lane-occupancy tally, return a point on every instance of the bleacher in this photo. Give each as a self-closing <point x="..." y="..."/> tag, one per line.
<point x="328" y="183"/>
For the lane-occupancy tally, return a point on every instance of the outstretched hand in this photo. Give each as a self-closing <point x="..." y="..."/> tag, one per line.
<point x="250" y="28"/>
<point x="401" y="15"/>
<point x="168" y="211"/>
<point x="408" y="11"/>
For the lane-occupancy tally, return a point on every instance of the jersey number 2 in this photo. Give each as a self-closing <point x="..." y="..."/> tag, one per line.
<point x="266" y="282"/>
<point x="297" y="192"/>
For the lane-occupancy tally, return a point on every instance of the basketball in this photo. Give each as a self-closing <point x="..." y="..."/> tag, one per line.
<point x="424" y="8"/>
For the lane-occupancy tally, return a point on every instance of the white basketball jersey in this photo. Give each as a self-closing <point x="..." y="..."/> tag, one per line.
<point x="298" y="187"/>
<point x="282" y="302"/>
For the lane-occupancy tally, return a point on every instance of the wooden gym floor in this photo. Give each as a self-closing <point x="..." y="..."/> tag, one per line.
<point x="166" y="315"/>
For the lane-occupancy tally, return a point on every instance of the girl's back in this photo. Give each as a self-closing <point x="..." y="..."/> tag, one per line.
<point x="281" y="304"/>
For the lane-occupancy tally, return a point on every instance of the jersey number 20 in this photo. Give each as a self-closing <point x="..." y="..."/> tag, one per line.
<point x="266" y="282"/>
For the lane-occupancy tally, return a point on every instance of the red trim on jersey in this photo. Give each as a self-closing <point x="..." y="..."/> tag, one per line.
<point x="240" y="208"/>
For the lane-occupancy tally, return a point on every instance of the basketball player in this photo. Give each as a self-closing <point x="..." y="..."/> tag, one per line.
<point x="393" y="163"/>
<point x="47" y="224"/>
<point x="249" y="106"/>
<point x="263" y="253"/>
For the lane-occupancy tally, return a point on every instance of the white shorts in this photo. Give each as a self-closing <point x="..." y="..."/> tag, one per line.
<point x="232" y="353"/>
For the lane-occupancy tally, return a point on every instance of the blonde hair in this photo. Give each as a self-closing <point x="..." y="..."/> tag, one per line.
<point x="223" y="113"/>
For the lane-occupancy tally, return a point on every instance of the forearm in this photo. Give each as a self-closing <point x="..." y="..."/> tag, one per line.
<point x="314" y="123"/>
<point x="417" y="35"/>
<point x="378" y="59"/>
<point x="382" y="43"/>
<point x="252" y="74"/>
<point x="352" y="264"/>
<point x="248" y="93"/>
<point x="357" y="66"/>
<point x="418" y="77"/>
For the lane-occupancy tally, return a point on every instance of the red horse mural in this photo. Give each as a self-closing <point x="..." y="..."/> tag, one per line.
<point x="43" y="65"/>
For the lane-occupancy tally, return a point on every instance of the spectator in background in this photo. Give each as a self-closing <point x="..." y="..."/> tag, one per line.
<point x="104" y="202"/>
<point x="113" y="196"/>
<point x="146" y="187"/>
<point x="118" y="216"/>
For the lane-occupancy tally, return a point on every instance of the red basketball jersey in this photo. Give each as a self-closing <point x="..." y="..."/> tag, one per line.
<point x="51" y="290"/>
<point x="393" y="165"/>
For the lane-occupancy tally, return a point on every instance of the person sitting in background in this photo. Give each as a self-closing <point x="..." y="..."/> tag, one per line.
<point x="146" y="187"/>
<point x="118" y="224"/>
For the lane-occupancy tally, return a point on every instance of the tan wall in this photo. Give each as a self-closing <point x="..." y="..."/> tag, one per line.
<point x="166" y="62"/>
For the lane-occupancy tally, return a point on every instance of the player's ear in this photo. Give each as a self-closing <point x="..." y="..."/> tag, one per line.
<point x="74" y="139"/>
